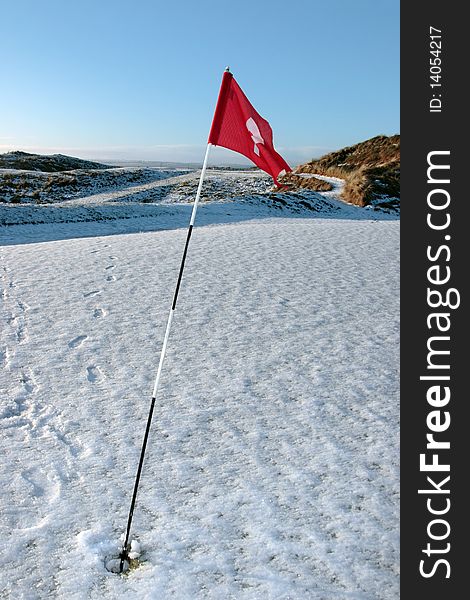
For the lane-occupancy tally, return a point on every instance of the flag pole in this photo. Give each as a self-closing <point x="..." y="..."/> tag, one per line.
<point x="124" y="555"/>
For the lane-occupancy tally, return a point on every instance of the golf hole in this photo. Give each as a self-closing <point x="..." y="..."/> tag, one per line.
<point x="113" y="565"/>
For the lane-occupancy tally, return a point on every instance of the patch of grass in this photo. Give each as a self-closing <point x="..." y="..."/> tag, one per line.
<point x="134" y="563"/>
<point x="308" y="183"/>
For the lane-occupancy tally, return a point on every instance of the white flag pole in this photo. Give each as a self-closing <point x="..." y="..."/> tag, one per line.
<point x="124" y="555"/>
<point x="175" y="297"/>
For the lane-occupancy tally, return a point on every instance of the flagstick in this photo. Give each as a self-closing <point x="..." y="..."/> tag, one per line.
<point x="125" y="550"/>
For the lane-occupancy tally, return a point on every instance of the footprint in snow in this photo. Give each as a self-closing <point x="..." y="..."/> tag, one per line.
<point x="93" y="293"/>
<point x="98" y="313"/>
<point x="4" y="356"/>
<point x="78" y="341"/>
<point x="37" y="489"/>
<point x="93" y="374"/>
<point x="109" y="267"/>
<point x="110" y="278"/>
<point x="12" y="320"/>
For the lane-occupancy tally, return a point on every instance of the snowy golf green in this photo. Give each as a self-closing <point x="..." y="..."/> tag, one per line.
<point x="272" y="465"/>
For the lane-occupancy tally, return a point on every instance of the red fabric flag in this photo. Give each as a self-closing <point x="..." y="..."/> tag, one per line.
<point x="237" y="126"/>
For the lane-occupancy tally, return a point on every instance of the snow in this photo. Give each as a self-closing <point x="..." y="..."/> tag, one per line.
<point x="21" y="186"/>
<point x="272" y="466"/>
<point x="163" y="196"/>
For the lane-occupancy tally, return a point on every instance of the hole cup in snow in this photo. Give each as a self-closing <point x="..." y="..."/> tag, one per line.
<point x="113" y="565"/>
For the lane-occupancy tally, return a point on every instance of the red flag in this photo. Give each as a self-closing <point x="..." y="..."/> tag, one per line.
<point x="237" y="126"/>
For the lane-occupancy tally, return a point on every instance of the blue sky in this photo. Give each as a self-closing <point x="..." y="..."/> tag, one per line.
<point x="139" y="80"/>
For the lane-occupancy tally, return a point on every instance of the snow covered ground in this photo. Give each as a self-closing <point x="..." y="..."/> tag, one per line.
<point x="272" y="467"/>
<point x="157" y="193"/>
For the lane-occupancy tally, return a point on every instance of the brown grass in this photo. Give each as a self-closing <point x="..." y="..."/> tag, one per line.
<point x="371" y="169"/>
<point x="309" y="183"/>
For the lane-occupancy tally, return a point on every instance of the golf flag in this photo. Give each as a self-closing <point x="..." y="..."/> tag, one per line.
<point x="237" y="126"/>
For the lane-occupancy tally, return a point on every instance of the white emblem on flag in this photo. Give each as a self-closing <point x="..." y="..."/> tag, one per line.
<point x="255" y="134"/>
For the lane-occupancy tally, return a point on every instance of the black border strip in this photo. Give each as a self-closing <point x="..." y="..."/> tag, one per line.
<point x="423" y="132"/>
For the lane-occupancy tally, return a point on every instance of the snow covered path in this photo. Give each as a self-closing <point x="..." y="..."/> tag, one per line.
<point x="336" y="182"/>
<point x="272" y="469"/>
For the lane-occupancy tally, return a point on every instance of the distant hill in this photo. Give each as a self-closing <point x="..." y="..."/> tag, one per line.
<point x="46" y="163"/>
<point x="371" y="171"/>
